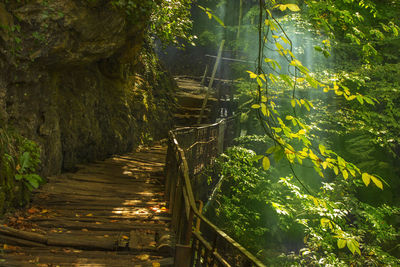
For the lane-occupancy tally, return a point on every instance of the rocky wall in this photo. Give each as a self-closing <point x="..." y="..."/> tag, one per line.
<point x="76" y="78"/>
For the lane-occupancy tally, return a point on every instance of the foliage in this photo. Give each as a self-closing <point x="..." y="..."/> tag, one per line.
<point x="243" y="187"/>
<point x="270" y="215"/>
<point x="169" y="20"/>
<point x="382" y="82"/>
<point x="19" y="165"/>
<point x="337" y="228"/>
<point x="367" y="24"/>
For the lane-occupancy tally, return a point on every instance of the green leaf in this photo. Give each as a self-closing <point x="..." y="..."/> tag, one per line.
<point x="217" y="19"/>
<point x="264" y="109"/>
<point x="266" y="163"/>
<point x="377" y="182"/>
<point x="24" y="161"/>
<point x="255" y="106"/>
<point x="366" y="178"/>
<point x="285" y="40"/>
<point x="289" y="118"/>
<point x="258" y="157"/>
<point x="369" y="100"/>
<point x="325" y="222"/>
<point x="293" y="7"/>
<point x="326" y="53"/>
<point x="211" y="15"/>
<point x="34" y="183"/>
<point x="351" y="246"/>
<point x="324" y="165"/>
<point x="252" y="74"/>
<point x="336" y="170"/>
<point x="259" y="82"/>
<point x="360" y="99"/>
<point x="322" y="149"/>
<point x="307" y="106"/>
<point x="341" y="243"/>
<point x="345" y="174"/>
<point x="272" y="149"/>
<point x="279" y="46"/>
<point x="281" y="7"/>
<point x="318" y="48"/>
<point x="279" y="154"/>
<point x="312" y="81"/>
<point x="293" y="103"/>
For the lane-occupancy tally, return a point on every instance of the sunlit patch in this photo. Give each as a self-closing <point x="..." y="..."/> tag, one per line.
<point x="127" y="173"/>
<point x="158" y="209"/>
<point x="131" y="202"/>
<point x="131" y="212"/>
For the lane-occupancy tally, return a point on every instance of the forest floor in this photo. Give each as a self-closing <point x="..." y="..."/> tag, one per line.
<point x="108" y="213"/>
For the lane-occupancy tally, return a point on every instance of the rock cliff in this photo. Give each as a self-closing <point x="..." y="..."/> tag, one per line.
<point x="76" y="78"/>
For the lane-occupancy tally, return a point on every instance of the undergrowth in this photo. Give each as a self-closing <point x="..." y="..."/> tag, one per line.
<point x="19" y="167"/>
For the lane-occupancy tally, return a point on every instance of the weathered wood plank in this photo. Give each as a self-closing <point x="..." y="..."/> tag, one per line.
<point x="83" y="217"/>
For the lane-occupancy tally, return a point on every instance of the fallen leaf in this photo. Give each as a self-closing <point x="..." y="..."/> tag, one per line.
<point x="156" y="264"/>
<point x="113" y="221"/>
<point x="44" y="211"/>
<point x="33" y="210"/>
<point x="106" y="236"/>
<point x="143" y="257"/>
<point x="99" y="223"/>
<point x="89" y="215"/>
<point x="85" y="230"/>
<point x="125" y="237"/>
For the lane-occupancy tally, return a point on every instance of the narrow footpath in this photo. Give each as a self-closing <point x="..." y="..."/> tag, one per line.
<point x="108" y="213"/>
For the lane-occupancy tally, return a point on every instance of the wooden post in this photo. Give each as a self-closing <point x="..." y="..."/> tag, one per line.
<point x="188" y="234"/>
<point x="198" y="219"/>
<point x="183" y="255"/>
<point x="211" y="81"/>
<point x="204" y="75"/>
<point x="221" y="136"/>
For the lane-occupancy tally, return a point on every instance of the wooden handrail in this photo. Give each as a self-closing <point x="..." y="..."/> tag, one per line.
<point x="179" y="191"/>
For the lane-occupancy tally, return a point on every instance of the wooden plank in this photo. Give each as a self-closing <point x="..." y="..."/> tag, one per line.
<point x="71" y="225"/>
<point x="140" y="240"/>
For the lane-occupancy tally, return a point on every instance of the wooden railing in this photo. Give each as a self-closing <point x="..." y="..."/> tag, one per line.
<point x="198" y="241"/>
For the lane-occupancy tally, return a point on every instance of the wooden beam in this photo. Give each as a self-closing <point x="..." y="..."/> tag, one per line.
<point x="211" y="81"/>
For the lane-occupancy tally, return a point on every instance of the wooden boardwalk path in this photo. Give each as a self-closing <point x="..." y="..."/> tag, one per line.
<point x="108" y="213"/>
